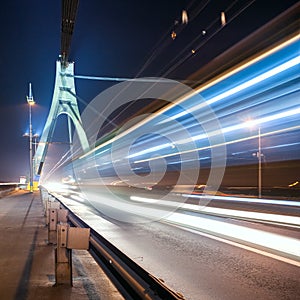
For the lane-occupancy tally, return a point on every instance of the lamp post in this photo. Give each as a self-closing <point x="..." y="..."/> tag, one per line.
<point x="35" y="136"/>
<point x="30" y="102"/>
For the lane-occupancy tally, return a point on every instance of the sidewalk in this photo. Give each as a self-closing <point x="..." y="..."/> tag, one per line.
<point x="27" y="260"/>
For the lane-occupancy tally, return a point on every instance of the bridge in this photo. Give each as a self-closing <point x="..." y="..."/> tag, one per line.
<point x="189" y="188"/>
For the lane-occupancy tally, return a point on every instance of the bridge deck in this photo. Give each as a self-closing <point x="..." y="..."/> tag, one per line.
<point x="27" y="260"/>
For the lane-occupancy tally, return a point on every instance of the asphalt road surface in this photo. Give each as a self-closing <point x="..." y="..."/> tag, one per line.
<point x="197" y="264"/>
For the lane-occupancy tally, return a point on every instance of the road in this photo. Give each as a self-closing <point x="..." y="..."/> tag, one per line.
<point x="199" y="264"/>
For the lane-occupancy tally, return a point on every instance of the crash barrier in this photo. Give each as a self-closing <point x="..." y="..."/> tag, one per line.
<point x="64" y="237"/>
<point x="6" y="188"/>
<point x="132" y="280"/>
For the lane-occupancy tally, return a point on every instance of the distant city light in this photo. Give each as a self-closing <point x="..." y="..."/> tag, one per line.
<point x="223" y="18"/>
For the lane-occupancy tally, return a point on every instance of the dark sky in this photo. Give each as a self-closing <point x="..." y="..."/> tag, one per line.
<point x="111" y="38"/>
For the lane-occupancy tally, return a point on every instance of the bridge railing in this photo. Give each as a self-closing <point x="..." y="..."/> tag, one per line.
<point x="7" y="187"/>
<point x="132" y="280"/>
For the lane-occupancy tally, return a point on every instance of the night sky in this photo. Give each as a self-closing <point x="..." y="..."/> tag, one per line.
<point x="111" y="38"/>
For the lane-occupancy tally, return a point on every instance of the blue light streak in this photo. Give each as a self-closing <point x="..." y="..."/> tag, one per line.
<point x="262" y="92"/>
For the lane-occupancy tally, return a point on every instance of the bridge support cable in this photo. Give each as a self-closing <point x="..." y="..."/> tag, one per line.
<point x="142" y="79"/>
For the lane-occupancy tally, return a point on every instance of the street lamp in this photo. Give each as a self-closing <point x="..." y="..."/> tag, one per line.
<point x="30" y="102"/>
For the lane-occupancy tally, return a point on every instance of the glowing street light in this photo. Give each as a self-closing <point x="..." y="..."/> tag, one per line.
<point x="30" y="102"/>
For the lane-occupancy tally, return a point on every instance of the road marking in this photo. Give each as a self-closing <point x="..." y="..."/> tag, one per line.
<point x="232" y="243"/>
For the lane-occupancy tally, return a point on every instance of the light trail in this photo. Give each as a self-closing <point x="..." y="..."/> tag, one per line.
<point x="219" y="145"/>
<point x="234" y="71"/>
<point x="275" y="245"/>
<point x="223" y="212"/>
<point x="250" y="200"/>
<point x="244" y="65"/>
<point x="242" y="246"/>
<point x="266" y="241"/>
<point x="275" y="71"/>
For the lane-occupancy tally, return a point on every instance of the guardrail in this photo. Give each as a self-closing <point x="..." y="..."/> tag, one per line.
<point x="6" y="188"/>
<point x="133" y="281"/>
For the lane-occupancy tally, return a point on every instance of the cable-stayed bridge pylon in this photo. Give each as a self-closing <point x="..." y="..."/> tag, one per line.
<point x="64" y="96"/>
<point x="63" y="102"/>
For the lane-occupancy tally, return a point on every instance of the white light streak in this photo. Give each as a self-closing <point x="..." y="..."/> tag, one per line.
<point x="276" y="218"/>
<point x="250" y="123"/>
<point x="268" y="241"/>
<point x="275" y="71"/>
<point x="214" y="81"/>
<point x="152" y="149"/>
<point x="233" y="71"/>
<point x="250" y="200"/>
<point x="218" y="145"/>
<point x="263" y="120"/>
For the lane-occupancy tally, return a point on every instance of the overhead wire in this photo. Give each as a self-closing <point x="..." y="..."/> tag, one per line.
<point x="157" y="50"/>
<point x="175" y="63"/>
<point x="164" y="41"/>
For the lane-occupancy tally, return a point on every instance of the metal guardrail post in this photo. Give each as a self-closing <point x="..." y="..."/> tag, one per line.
<point x="65" y="237"/>
<point x="55" y="215"/>
<point x="68" y="238"/>
<point x="140" y="283"/>
<point x="63" y="257"/>
<point x="52" y="225"/>
<point x="44" y="198"/>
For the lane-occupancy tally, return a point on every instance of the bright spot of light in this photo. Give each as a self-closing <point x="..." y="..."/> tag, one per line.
<point x="223" y="18"/>
<point x="294" y="184"/>
<point x="58" y="187"/>
<point x="184" y="17"/>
